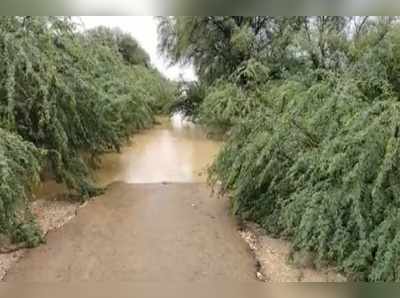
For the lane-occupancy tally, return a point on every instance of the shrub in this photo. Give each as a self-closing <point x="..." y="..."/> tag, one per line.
<point x="189" y="97"/>
<point x="19" y="171"/>
<point x="225" y="105"/>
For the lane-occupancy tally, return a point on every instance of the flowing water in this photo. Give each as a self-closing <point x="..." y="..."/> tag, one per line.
<point x="157" y="220"/>
<point x="174" y="151"/>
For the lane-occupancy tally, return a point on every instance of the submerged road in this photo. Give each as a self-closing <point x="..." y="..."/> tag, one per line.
<point x="157" y="220"/>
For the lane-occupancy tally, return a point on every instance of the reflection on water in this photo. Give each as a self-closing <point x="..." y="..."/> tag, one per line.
<point x="174" y="151"/>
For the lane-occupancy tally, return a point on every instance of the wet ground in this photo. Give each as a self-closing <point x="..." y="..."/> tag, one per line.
<point x="157" y="220"/>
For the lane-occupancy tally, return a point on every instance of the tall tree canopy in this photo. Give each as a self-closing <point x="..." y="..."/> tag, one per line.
<point x="122" y="42"/>
<point x="218" y="45"/>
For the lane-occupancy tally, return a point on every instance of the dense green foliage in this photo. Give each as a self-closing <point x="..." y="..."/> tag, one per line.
<point x="188" y="99"/>
<point x="19" y="171"/>
<point x="121" y="42"/>
<point x="64" y="94"/>
<point x="313" y="146"/>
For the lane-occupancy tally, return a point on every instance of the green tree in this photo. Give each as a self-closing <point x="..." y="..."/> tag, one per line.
<point x="122" y="42"/>
<point x="218" y="45"/>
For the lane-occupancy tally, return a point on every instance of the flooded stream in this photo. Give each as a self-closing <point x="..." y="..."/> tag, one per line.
<point x="176" y="150"/>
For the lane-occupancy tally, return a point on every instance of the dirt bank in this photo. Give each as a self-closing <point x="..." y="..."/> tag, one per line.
<point x="51" y="215"/>
<point x="275" y="262"/>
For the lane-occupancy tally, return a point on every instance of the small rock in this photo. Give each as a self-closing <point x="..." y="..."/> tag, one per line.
<point x="260" y="276"/>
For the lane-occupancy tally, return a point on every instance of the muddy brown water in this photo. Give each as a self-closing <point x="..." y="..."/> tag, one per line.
<point x="157" y="220"/>
<point x="174" y="151"/>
